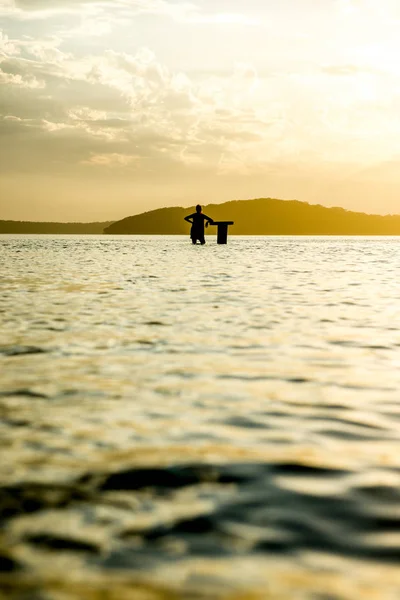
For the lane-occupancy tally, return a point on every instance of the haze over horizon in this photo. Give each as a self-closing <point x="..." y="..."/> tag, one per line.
<point x="112" y="108"/>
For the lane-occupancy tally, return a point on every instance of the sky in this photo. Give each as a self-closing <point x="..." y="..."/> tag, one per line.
<point x="110" y="108"/>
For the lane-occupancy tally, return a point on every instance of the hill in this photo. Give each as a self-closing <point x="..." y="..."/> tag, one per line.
<point x="47" y="227"/>
<point x="263" y="216"/>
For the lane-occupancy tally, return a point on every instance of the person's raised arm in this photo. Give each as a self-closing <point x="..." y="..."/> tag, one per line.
<point x="188" y="218"/>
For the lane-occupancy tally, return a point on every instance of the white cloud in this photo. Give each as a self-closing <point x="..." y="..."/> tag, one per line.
<point x="237" y="123"/>
<point x="39" y="9"/>
<point x="46" y="50"/>
<point x="111" y="160"/>
<point x="166" y="113"/>
<point x="8" y="47"/>
<point x="51" y="126"/>
<point x="21" y="81"/>
<point x="97" y="17"/>
<point x="84" y="113"/>
<point x="82" y="88"/>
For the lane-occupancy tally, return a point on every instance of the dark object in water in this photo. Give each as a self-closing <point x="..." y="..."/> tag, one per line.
<point x="222" y="230"/>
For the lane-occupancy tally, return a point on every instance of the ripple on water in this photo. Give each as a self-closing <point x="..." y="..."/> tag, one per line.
<point x="140" y="518"/>
<point x="21" y="350"/>
<point x="215" y="425"/>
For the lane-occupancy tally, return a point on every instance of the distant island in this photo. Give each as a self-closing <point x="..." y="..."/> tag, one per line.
<point x="47" y="227"/>
<point x="263" y="216"/>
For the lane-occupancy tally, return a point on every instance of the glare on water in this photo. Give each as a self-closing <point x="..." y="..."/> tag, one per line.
<point x="214" y="420"/>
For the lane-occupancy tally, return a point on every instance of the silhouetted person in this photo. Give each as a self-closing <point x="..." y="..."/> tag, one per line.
<point x="197" y="220"/>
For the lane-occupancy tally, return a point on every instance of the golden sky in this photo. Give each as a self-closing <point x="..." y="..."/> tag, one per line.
<point x="109" y="108"/>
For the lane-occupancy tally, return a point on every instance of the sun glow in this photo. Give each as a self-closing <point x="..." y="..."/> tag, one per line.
<point x="279" y="99"/>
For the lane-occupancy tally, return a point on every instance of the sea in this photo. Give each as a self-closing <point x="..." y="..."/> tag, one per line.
<point x="199" y="422"/>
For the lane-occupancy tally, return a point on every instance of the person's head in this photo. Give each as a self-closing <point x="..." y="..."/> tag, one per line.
<point x="198" y="208"/>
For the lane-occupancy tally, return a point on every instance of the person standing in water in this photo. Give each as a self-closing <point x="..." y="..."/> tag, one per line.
<point x="197" y="220"/>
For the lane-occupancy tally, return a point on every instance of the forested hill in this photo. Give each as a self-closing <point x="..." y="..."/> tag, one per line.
<point x="263" y="216"/>
<point x="47" y="227"/>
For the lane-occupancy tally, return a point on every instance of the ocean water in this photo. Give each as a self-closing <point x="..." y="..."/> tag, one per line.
<point x="180" y="421"/>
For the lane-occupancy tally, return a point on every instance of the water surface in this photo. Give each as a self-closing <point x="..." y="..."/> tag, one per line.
<point x="187" y="421"/>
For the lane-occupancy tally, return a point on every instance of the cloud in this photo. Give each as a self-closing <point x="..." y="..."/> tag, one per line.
<point x="195" y="16"/>
<point x="39" y="9"/>
<point x="104" y="13"/>
<point x="111" y="160"/>
<point x="28" y="81"/>
<point x="78" y="104"/>
<point x="7" y="46"/>
<point x="122" y="110"/>
<point x="131" y="111"/>
<point x="342" y="70"/>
